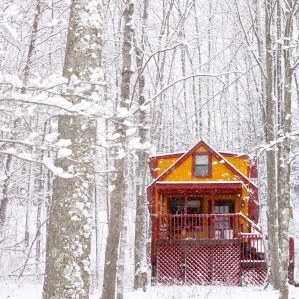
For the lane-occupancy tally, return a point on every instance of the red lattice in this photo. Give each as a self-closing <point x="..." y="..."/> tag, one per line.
<point x="226" y="264"/>
<point x="254" y="276"/>
<point x="198" y="264"/>
<point x="170" y="264"/>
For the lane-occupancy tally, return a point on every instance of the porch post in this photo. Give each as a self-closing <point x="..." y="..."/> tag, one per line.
<point x="212" y="219"/>
<point x="185" y="215"/>
<point x="213" y="204"/>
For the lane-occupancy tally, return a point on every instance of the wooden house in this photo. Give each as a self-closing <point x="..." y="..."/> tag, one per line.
<point x="204" y="211"/>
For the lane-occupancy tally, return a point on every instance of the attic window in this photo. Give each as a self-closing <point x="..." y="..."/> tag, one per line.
<point x="201" y="165"/>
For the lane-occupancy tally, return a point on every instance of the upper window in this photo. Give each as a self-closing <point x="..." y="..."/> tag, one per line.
<point x="201" y="165"/>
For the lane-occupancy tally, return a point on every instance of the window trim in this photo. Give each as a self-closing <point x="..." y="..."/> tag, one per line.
<point x="209" y="165"/>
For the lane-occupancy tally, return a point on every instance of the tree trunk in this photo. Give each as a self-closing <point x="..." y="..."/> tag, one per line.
<point x="69" y="230"/>
<point x="140" y="256"/>
<point x="270" y="136"/>
<point x="284" y="208"/>
<point x="117" y="195"/>
<point x="32" y="45"/>
<point x="5" y="193"/>
<point x="198" y="101"/>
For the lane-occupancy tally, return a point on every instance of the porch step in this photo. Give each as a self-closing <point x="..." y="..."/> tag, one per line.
<point x="251" y="253"/>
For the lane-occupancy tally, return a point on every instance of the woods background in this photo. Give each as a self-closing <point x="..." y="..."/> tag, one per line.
<point x="109" y="86"/>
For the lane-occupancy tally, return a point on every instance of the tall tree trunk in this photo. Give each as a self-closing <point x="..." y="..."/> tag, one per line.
<point x="284" y="208"/>
<point x="29" y="204"/>
<point x="118" y="193"/>
<point x="42" y="195"/>
<point x="140" y="256"/>
<point x="270" y="136"/>
<point x="69" y="230"/>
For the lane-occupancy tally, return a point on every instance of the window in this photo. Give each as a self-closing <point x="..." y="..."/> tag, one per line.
<point x="182" y="205"/>
<point x="193" y="206"/>
<point x="177" y="206"/>
<point x="201" y="165"/>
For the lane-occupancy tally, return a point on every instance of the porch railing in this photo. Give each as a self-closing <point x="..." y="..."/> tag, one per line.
<point x="225" y="228"/>
<point x="176" y="228"/>
<point x="199" y="226"/>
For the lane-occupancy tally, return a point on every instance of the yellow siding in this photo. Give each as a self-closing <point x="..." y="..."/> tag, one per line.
<point x="239" y="163"/>
<point x="184" y="172"/>
<point x="219" y="171"/>
<point x="164" y="163"/>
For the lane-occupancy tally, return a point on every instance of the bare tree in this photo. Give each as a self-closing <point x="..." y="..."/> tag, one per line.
<point x="276" y="71"/>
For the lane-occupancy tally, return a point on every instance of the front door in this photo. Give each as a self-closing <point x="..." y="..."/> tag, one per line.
<point x="223" y="225"/>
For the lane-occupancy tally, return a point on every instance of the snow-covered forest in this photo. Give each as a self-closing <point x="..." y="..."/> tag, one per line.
<point x="90" y="89"/>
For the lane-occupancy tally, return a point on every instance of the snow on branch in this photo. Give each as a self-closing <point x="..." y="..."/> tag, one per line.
<point x="217" y="76"/>
<point x="56" y="92"/>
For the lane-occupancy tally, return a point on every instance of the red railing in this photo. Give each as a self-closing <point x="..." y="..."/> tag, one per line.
<point x="173" y="228"/>
<point x="252" y="248"/>
<point x="168" y="228"/>
<point x="198" y="226"/>
<point x="225" y="233"/>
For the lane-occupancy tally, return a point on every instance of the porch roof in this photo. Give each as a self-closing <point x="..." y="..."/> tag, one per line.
<point x="202" y="187"/>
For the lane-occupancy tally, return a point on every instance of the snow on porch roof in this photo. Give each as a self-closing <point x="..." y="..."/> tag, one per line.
<point x="195" y="187"/>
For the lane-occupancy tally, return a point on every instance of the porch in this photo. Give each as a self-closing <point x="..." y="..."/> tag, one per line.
<point x="209" y="249"/>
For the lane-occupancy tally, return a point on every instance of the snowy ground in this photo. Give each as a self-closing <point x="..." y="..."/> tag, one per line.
<point x="22" y="290"/>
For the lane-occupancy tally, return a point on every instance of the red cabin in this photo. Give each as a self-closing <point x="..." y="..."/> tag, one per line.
<point x="204" y="211"/>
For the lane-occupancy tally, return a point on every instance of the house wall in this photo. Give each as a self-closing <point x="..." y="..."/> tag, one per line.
<point x="219" y="172"/>
<point x="241" y="163"/>
<point x="159" y="164"/>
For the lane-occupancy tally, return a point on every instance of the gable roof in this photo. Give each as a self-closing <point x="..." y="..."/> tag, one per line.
<point x="216" y="154"/>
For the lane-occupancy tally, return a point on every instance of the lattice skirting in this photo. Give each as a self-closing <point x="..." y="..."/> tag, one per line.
<point x="254" y="276"/>
<point x="199" y="264"/>
<point x="257" y="275"/>
<point x="226" y="264"/>
<point x="170" y="264"/>
<point x="208" y="264"/>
